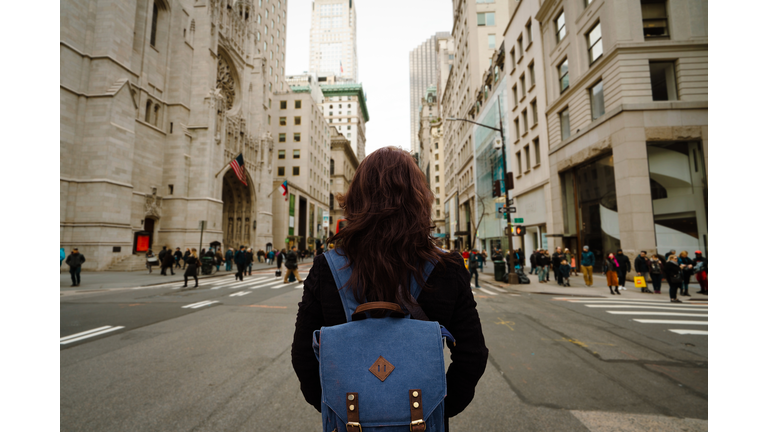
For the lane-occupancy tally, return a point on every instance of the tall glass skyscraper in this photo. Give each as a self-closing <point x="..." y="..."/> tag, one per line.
<point x="333" y="39"/>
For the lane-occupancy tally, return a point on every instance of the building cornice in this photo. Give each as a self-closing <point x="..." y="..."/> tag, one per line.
<point x="347" y="89"/>
<point x="545" y="9"/>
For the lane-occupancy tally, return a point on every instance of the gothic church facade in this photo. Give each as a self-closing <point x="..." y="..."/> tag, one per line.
<point x="156" y="97"/>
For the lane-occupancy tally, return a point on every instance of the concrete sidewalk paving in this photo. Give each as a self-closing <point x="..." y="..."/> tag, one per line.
<point x="110" y="280"/>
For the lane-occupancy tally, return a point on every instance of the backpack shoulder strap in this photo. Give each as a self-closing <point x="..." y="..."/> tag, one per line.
<point x="341" y="274"/>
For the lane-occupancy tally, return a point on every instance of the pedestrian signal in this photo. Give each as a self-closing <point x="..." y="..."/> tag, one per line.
<point x="519" y="230"/>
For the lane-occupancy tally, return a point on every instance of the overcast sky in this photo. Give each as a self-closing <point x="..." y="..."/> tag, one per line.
<point x="387" y="30"/>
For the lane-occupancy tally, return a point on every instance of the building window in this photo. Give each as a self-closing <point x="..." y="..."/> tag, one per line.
<point x="565" y="124"/>
<point x="297" y="137"/>
<point x="525" y="120"/>
<point x="534" y="113"/>
<point x="519" y="163"/>
<point x="522" y="85"/>
<point x="283" y="105"/>
<point x="595" y="43"/>
<point x="654" y="19"/>
<point x="153" y="33"/>
<point x="269" y="119"/>
<point x="296" y="170"/>
<point x="536" y="151"/>
<point x="520" y="45"/>
<point x="532" y="74"/>
<point x="527" y="150"/>
<point x="512" y="57"/>
<point x="283" y="122"/>
<point x="528" y="32"/>
<point x="491" y="41"/>
<point x="297" y="154"/>
<point x="437" y="179"/>
<point x="437" y="168"/>
<point x="563" y="70"/>
<point x="496" y="74"/>
<point x="517" y="128"/>
<point x="281" y="171"/>
<point x="514" y="93"/>
<point x="663" y="84"/>
<point x="281" y="154"/>
<point x="437" y="156"/>
<point x="297" y="121"/>
<point x="486" y="19"/>
<point x="281" y="138"/>
<point x="436" y="148"/>
<point x="297" y="104"/>
<point x="597" y="100"/>
<point x="560" y="27"/>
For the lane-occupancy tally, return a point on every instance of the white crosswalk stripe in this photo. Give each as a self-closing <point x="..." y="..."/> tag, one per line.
<point x="199" y="304"/>
<point x="288" y="285"/>
<point x="652" y="307"/>
<point x="240" y="294"/>
<point x="487" y="291"/>
<point x="88" y="334"/>
<point x="267" y="284"/>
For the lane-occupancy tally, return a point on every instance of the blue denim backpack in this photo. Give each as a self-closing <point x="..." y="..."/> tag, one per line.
<point x="382" y="374"/>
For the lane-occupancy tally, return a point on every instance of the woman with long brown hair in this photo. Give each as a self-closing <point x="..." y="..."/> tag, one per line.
<point x="387" y="240"/>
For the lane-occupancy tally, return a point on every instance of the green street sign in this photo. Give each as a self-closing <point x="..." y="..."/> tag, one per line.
<point x="518" y="220"/>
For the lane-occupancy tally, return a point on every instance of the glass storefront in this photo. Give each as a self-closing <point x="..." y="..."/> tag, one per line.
<point x="679" y="194"/>
<point x="590" y="208"/>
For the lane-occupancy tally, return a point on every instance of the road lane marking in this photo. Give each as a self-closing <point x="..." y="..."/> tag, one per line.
<point x="264" y="285"/>
<point x="240" y="294"/>
<point x="497" y="289"/>
<point x="487" y="291"/>
<point x="675" y="308"/>
<point x="289" y="284"/>
<point x="653" y="321"/>
<point x="83" y="333"/>
<point x="268" y="307"/>
<point x="205" y="304"/>
<point x="614" y="299"/>
<point x="690" y="332"/>
<point x="621" y="302"/>
<point x="199" y="304"/>
<point x="69" y="339"/>
<point x="658" y="313"/>
<point x="300" y="286"/>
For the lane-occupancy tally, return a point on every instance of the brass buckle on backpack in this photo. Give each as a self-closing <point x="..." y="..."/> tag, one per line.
<point x="354" y="424"/>
<point x="416" y="423"/>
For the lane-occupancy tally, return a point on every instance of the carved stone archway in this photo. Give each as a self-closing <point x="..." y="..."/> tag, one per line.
<point x="237" y="211"/>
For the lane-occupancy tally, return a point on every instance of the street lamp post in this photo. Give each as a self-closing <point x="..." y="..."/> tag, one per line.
<point x="500" y="129"/>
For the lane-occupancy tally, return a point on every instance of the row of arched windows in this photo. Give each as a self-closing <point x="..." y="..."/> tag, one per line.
<point x="152" y="113"/>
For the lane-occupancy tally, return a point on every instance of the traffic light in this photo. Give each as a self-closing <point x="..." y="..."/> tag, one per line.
<point x="496" y="188"/>
<point x="519" y="230"/>
<point x="509" y="182"/>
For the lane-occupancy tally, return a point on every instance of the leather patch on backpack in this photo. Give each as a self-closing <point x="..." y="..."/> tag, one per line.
<point x="381" y="368"/>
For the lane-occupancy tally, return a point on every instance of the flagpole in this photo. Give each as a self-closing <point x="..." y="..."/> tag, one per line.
<point x="225" y="167"/>
<point x="273" y="190"/>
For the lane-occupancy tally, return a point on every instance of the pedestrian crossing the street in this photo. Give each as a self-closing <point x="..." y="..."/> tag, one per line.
<point x="652" y="312"/>
<point x="88" y="334"/>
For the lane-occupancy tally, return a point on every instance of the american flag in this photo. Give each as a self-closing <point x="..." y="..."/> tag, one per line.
<point x="238" y="166"/>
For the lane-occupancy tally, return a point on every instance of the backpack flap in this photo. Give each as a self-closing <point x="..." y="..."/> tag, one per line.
<point x="382" y="360"/>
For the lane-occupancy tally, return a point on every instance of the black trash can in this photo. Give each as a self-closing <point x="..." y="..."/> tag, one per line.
<point x="499" y="270"/>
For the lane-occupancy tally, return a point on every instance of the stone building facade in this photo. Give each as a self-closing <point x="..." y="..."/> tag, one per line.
<point x="627" y="120"/>
<point x="156" y="97"/>
<point x="344" y="163"/>
<point x="302" y="158"/>
<point x="346" y="108"/>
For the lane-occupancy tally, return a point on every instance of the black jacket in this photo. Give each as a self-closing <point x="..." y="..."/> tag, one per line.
<point x="673" y="273"/>
<point x="610" y="265"/>
<point x="451" y="304"/>
<point x="557" y="257"/>
<point x="291" y="260"/>
<point x="248" y="258"/>
<point x="177" y="254"/>
<point x="75" y="260"/>
<point x="686" y="261"/>
<point x="544" y="260"/>
<point x="167" y="259"/>
<point x="192" y="264"/>
<point x="240" y="257"/>
<point x="161" y="255"/>
<point x="534" y="259"/>
<point x="641" y="264"/>
<point x="625" y="265"/>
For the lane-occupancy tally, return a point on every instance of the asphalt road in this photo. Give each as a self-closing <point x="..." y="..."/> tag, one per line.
<point x="213" y="358"/>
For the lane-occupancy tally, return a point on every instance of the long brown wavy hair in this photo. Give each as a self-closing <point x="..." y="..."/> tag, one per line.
<point x="388" y="237"/>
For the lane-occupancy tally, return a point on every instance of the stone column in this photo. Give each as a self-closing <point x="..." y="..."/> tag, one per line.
<point x="633" y="185"/>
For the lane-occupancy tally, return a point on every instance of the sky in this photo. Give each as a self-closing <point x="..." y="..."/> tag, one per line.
<point x="387" y="30"/>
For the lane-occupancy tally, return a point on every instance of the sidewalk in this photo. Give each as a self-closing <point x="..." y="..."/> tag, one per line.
<point x="579" y="288"/>
<point x="108" y="280"/>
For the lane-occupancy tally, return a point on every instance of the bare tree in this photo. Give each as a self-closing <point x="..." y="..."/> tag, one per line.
<point x="476" y="226"/>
